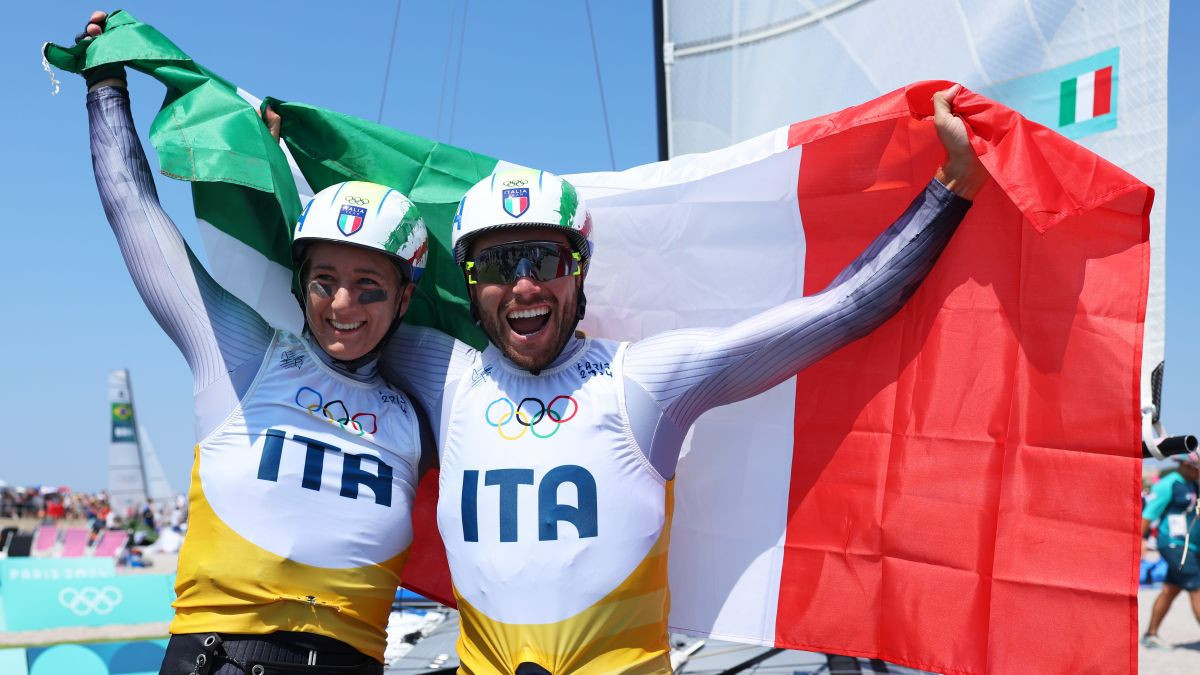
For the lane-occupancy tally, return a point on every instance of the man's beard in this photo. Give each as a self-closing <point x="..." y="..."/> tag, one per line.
<point x="562" y="322"/>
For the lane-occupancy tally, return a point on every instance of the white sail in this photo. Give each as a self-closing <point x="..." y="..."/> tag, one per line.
<point x="1096" y="70"/>
<point x="126" y="480"/>
<point x="134" y="473"/>
<point x="158" y="487"/>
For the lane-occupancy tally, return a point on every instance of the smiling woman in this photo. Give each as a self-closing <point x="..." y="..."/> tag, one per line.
<point x="360" y="248"/>
<point x="352" y="297"/>
<point x="306" y="461"/>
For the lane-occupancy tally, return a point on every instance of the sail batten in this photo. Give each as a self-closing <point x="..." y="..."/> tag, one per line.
<point x="767" y="32"/>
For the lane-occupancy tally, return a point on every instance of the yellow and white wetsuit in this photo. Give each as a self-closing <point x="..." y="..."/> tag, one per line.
<point x="305" y="469"/>
<point x="555" y="523"/>
<point x="300" y="507"/>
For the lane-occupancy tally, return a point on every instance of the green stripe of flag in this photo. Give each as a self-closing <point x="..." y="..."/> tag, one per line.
<point x="1066" y="105"/>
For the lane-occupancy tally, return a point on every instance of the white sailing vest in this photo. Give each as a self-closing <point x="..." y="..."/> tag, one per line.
<point x="300" y="513"/>
<point x="553" y="519"/>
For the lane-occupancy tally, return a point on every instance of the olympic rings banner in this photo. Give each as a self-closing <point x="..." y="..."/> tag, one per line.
<point x="36" y="604"/>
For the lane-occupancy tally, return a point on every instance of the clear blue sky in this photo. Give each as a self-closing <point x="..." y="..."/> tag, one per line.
<point x="525" y="90"/>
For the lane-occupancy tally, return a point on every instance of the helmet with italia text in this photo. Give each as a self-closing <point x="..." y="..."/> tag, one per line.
<point x="522" y="198"/>
<point x="368" y="215"/>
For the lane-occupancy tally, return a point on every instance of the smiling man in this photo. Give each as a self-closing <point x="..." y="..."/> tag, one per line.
<point x="558" y="451"/>
<point x="524" y="261"/>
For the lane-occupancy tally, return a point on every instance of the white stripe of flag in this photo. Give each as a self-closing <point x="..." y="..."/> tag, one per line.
<point x="1085" y="95"/>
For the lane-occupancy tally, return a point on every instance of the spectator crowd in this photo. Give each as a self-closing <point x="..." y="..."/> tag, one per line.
<point x="51" y="505"/>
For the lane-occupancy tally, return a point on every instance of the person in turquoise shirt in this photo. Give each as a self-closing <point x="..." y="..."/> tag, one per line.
<point x="1172" y="503"/>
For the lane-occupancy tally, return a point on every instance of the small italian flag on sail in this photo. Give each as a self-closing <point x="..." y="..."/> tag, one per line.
<point x="1084" y="97"/>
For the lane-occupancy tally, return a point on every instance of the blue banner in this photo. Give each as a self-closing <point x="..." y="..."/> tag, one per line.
<point x="143" y="657"/>
<point x="103" y="601"/>
<point x="12" y="661"/>
<point x="54" y="569"/>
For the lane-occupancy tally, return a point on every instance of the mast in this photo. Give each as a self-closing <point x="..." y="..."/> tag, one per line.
<point x="660" y="79"/>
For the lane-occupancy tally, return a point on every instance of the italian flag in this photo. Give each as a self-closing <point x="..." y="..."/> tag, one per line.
<point x="1084" y="97"/>
<point x="956" y="491"/>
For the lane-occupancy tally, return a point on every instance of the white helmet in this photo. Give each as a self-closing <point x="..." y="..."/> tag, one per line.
<point x="522" y="198"/>
<point x="368" y="215"/>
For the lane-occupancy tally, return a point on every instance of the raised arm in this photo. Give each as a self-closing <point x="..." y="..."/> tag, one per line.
<point x="681" y="374"/>
<point x="223" y="340"/>
<point x="217" y="333"/>
<point x="672" y="378"/>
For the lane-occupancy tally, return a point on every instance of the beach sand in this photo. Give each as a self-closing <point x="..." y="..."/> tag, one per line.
<point x="38" y="638"/>
<point x="1179" y="629"/>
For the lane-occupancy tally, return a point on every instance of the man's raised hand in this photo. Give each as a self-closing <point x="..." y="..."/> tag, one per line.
<point x="273" y="121"/>
<point x="962" y="172"/>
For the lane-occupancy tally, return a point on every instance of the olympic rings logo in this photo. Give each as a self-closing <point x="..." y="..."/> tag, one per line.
<point x="357" y="201"/>
<point x="529" y="414"/>
<point x="515" y="182"/>
<point x="335" y="412"/>
<point x="89" y="599"/>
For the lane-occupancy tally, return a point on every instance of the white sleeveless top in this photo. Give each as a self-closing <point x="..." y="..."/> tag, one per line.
<point x="547" y="506"/>
<point x="303" y="494"/>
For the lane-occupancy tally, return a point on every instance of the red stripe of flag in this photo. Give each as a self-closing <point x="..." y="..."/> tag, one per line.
<point x="1102" y="103"/>
<point x="928" y="523"/>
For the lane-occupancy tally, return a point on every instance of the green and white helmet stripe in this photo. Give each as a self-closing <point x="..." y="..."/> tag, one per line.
<point x="369" y="215"/>
<point x="522" y="198"/>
